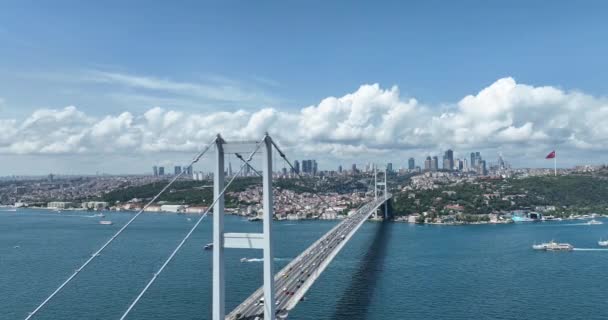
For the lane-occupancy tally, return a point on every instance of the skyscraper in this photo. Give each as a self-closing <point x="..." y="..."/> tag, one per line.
<point x="177" y="170"/>
<point x="315" y="168"/>
<point x="296" y="166"/>
<point x="230" y="169"/>
<point x="435" y="163"/>
<point x="340" y="169"/>
<point x="354" y="168"/>
<point x="473" y="160"/>
<point x="189" y="170"/>
<point x="428" y="163"/>
<point x="450" y="156"/>
<point x="411" y="164"/>
<point x="155" y="170"/>
<point x="446" y="163"/>
<point x="161" y="171"/>
<point x="389" y="167"/>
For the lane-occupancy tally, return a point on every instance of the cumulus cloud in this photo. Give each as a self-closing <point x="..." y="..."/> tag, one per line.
<point x="370" y="120"/>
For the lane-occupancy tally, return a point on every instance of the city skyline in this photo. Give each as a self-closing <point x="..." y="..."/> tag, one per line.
<point x="105" y="108"/>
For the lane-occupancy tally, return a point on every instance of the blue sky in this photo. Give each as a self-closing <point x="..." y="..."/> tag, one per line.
<point x="109" y="57"/>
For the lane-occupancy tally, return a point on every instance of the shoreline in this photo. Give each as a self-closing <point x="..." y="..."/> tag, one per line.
<point x="405" y="221"/>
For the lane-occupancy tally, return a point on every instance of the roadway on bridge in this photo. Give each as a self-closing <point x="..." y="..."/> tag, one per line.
<point x="292" y="282"/>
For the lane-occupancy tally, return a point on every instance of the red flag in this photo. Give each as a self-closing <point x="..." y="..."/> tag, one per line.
<point x="551" y="155"/>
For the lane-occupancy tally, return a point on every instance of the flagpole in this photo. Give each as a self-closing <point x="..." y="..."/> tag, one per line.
<point x="555" y="165"/>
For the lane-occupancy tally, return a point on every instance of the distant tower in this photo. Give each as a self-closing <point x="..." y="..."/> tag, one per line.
<point x="354" y="168"/>
<point x="428" y="163"/>
<point x="230" y="169"/>
<point x="296" y="167"/>
<point x="177" y="170"/>
<point x="411" y="164"/>
<point x="450" y="156"/>
<point x="435" y="163"/>
<point x="340" y="169"/>
<point x="389" y="167"/>
<point x="473" y="160"/>
<point x="155" y="170"/>
<point x="161" y="171"/>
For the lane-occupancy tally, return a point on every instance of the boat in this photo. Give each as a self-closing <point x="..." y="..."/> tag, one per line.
<point x="243" y="259"/>
<point x="258" y="218"/>
<point x="603" y="243"/>
<point x="208" y="246"/>
<point x="282" y="315"/>
<point x="105" y="222"/>
<point x="553" y="246"/>
<point x="101" y="215"/>
<point x="593" y="221"/>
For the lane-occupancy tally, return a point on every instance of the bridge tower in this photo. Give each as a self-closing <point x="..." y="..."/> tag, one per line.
<point x="376" y="184"/>
<point x="222" y="240"/>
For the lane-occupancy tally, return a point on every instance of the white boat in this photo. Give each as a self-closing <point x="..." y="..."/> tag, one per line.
<point x="553" y="246"/>
<point x="208" y="246"/>
<point x="101" y="215"/>
<point x="105" y="222"/>
<point x="603" y="243"/>
<point x="593" y="221"/>
<point x="243" y="259"/>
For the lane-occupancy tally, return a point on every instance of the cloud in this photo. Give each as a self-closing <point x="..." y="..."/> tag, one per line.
<point x="371" y="120"/>
<point x="214" y="89"/>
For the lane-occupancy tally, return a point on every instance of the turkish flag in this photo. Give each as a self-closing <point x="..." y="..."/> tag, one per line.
<point x="551" y="155"/>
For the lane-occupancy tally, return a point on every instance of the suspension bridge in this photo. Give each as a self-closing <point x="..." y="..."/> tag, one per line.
<point x="280" y="292"/>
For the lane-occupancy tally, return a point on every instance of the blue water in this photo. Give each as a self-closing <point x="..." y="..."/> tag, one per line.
<point x="387" y="271"/>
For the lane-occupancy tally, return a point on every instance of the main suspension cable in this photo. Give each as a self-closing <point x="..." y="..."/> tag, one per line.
<point x="179" y="246"/>
<point x="97" y="253"/>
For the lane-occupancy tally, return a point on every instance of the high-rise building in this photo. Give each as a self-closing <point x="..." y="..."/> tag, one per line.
<point x="296" y="167"/>
<point x="428" y="163"/>
<point x="411" y="164"/>
<point x="450" y="156"/>
<point x="315" y="168"/>
<point x="230" y="169"/>
<point x="448" y="160"/>
<point x="435" y="163"/>
<point x="340" y="169"/>
<point x="353" y="168"/>
<point x="188" y="170"/>
<point x="481" y="168"/>
<point x="155" y="170"/>
<point x="389" y="167"/>
<point x="177" y="170"/>
<point x="473" y="160"/>
<point x="161" y="171"/>
<point x="446" y="163"/>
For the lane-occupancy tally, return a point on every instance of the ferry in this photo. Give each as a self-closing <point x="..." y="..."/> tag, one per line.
<point x="105" y="222"/>
<point x="208" y="246"/>
<point x="593" y="221"/>
<point x="553" y="246"/>
<point x="603" y="243"/>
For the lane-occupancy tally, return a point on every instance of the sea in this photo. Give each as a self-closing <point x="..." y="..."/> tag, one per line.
<point x="386" y="271"/>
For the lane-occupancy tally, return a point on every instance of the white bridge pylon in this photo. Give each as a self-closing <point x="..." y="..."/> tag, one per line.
<point x="383" y="183"/>
<point x="222" y="240"/>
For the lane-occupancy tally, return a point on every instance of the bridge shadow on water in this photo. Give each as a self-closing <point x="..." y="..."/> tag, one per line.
<point x="355" y="302"/>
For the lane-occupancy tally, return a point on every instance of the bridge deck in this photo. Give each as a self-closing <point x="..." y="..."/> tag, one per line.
<point x="292" y="282"/>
